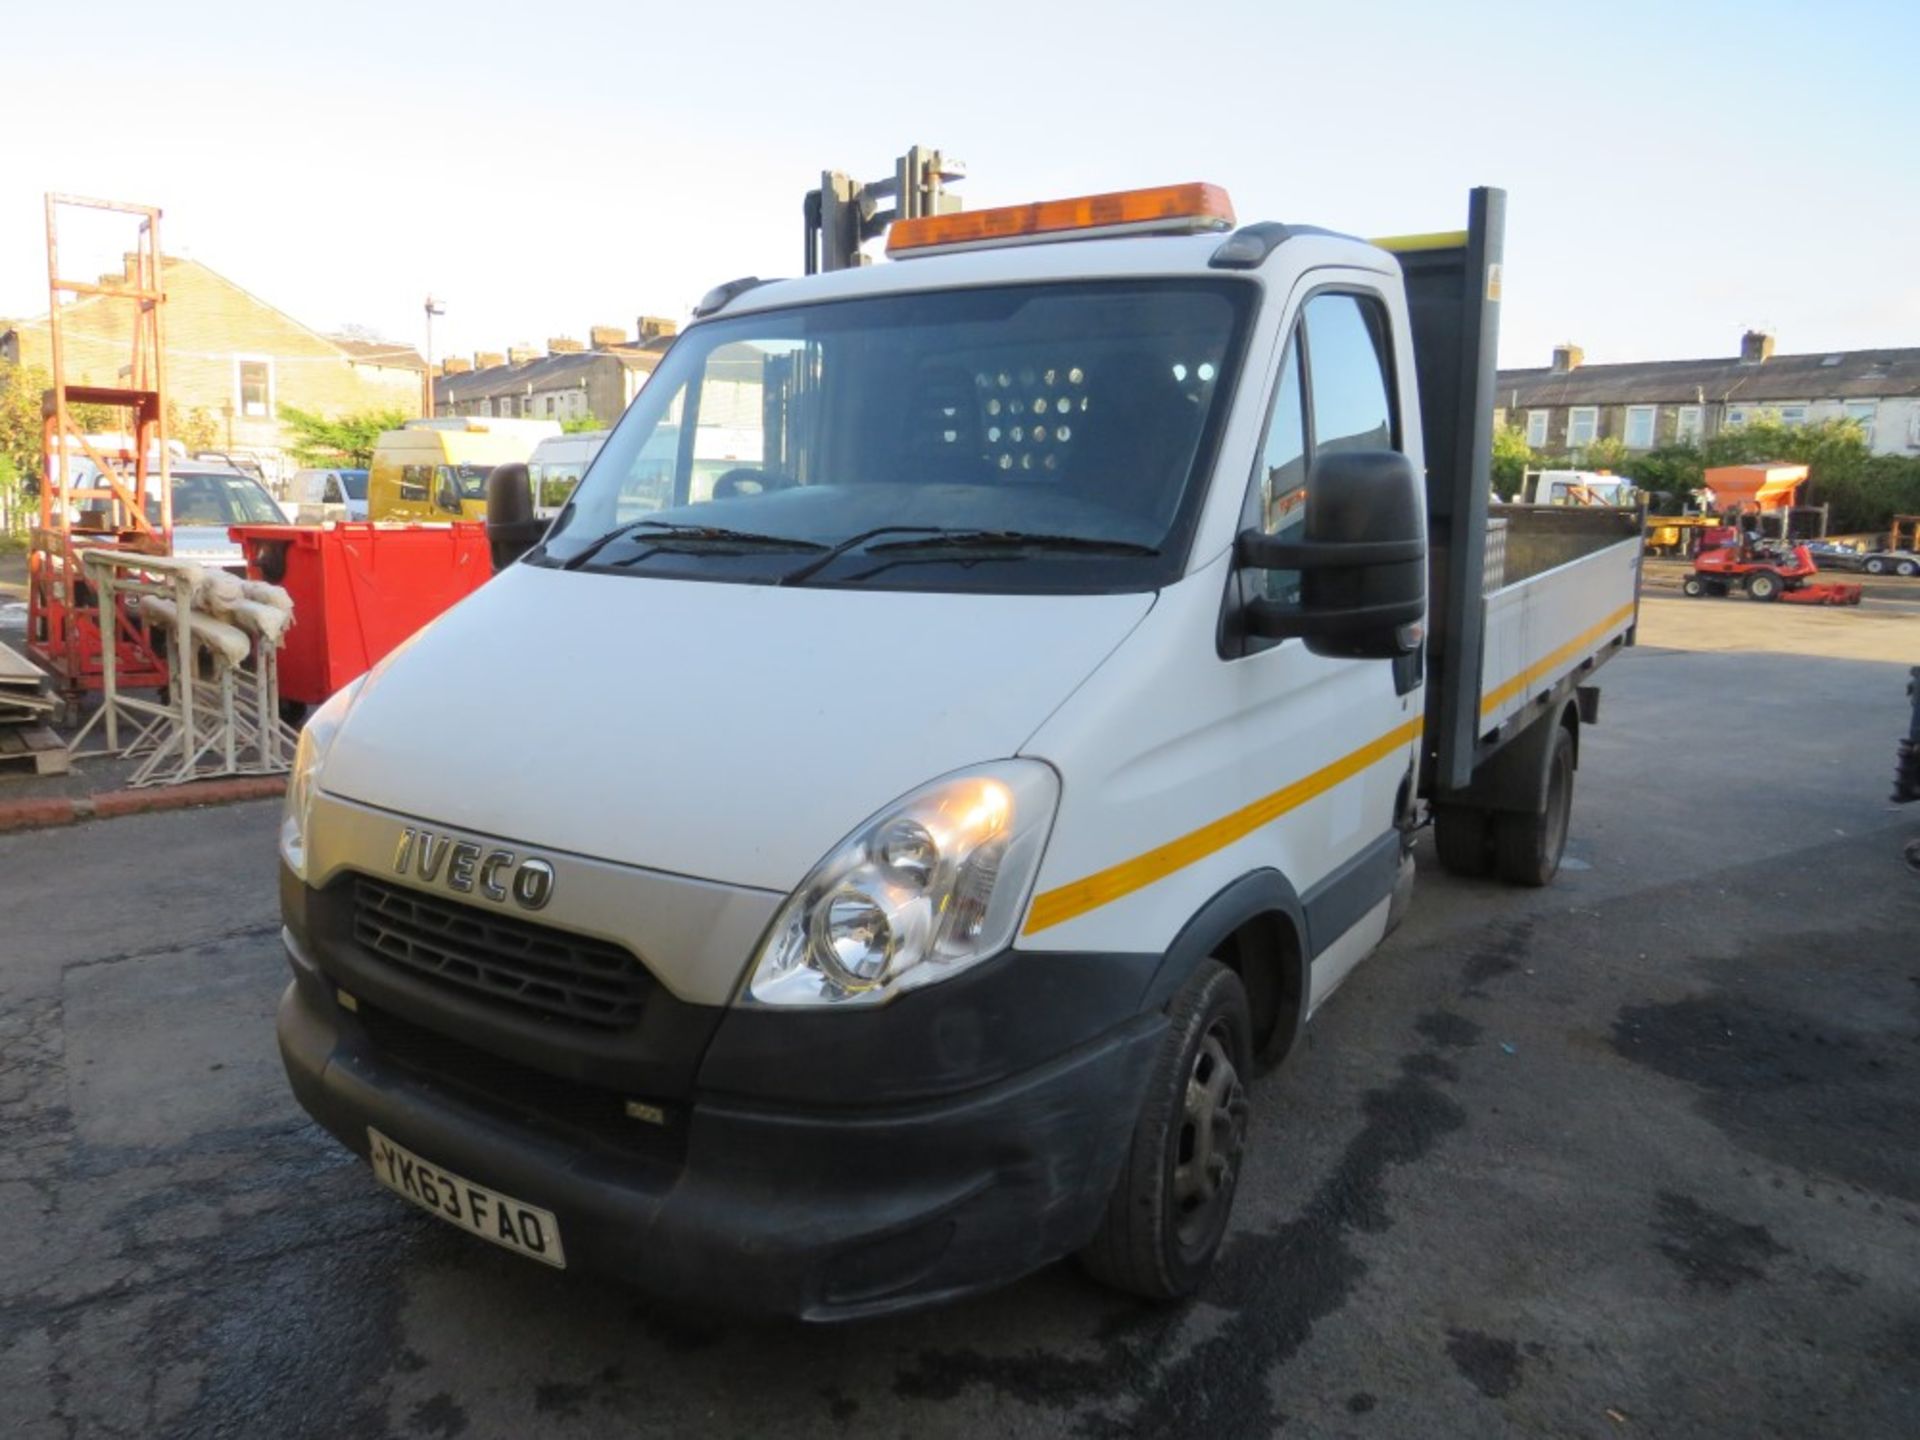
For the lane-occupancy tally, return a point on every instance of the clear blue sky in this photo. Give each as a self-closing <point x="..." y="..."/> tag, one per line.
<point x="1677" y="171"/>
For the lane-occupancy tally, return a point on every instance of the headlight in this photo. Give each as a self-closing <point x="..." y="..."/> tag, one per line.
<point x="315" y="740"/>
<point x="931" y="885"/>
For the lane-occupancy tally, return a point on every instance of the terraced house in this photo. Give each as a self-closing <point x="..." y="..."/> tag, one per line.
<point x="232" y="356"/>
<point x="1568" y="404"/>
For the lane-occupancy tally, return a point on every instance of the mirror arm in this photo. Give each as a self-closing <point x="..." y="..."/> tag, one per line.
<point x="1261" y="551"/>
<point x="1272" y="621"/>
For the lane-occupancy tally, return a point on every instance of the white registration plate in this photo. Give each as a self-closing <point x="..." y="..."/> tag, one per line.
<point x="513" y="1224"/>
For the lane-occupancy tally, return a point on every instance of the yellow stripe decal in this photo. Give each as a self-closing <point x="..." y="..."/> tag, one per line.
<point x="1437" y="240"/>
<point x="1500" y="694"/>
<point x="1104" y="886"/>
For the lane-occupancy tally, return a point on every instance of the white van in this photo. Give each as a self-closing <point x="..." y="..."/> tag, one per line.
<point x="962" y="796"/>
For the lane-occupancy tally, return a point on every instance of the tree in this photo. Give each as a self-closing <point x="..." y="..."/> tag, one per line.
<point x="20" y="389"/>
<point x="1512" y="458"/>
<point x="196" y="430"/>
<point x="1609" y="453"/>
<point x="579" y="424"/>
<point x="346" y="443"/>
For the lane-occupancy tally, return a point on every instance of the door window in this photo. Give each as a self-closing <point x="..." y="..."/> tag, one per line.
<point x="414" y="480"/>
<point x="1332" y="395"/>
<point x="331" y="495"/>
<point x="1282" y="481"/>
<point x="1346" y="347"/>
<point x="446" y="490"/>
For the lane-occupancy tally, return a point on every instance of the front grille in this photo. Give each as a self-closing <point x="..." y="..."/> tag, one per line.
<point x="514" y="962"/>
<point x="587" y="1114"/>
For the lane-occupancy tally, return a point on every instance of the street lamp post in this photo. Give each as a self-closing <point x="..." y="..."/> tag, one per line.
<point x="433" y="307"/>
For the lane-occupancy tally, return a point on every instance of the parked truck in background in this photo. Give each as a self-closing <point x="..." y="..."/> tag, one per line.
<point x="1577" y="487"/>
<point x="965" y="796"/>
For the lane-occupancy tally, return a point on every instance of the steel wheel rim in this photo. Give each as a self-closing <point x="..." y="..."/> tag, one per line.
<point x="1208" y="1144"/>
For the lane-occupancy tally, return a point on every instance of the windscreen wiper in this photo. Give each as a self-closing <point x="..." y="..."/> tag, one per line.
<point x="1011" y="541"/>
<point x="678" y="533"/>
<point x="820" y="562"/>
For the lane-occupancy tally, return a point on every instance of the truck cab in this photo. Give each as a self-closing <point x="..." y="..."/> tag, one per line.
<point x="970" y="790"/>
<point x="1578" y="487"/>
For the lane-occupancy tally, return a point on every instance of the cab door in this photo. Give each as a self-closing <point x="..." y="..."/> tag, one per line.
<point x="1355" y="722"/>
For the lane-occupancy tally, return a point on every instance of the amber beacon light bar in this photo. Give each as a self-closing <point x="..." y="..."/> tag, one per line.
<point x="1163" y="210"/>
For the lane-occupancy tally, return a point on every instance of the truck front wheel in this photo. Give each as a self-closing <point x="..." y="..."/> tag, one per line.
<point x="1169" y="1209"/>
<point x="1527" y="845"/>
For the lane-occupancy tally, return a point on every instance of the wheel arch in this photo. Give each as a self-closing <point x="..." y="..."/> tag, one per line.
<point x="1257" y="928"/>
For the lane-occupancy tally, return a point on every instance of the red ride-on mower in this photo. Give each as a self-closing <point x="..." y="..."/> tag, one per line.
<point x="1732" y="558"/>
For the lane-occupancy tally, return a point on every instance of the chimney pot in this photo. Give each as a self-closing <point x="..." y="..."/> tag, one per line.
<point x="605" y="337"/>
<point x="1756" y="347"/>
<point x="488" y="359"/>
<point x="563" y="345"/>
<point x="1568" y="357"/>
<point x="656" y="327"/>
<point x="521" y="354"/>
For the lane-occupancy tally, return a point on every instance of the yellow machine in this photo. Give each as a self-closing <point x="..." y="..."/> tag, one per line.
<point x="437" y="469"/>
<point x="1673" y="534"/>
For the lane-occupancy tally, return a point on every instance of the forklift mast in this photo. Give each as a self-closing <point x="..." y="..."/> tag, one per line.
<point x="843" y="214"/>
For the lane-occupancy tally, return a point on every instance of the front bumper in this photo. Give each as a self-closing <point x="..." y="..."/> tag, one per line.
<point x="758" y="1204"/>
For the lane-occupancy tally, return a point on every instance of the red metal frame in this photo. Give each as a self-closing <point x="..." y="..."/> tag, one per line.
<point x="63" y="618"/>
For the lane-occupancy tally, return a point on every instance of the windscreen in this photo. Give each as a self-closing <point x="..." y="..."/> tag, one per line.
<point x="1035" y="437"/>
<point x="355" y="482"/>
<point x="212" y="498"/>
<point x="472" y="480"/>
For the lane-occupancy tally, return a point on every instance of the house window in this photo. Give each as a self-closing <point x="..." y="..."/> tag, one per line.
<point x="1687" y="423"/>
<point x="1862" y="412"/>
<point x="1736" y="415"/>
<point x="1537" y="429"/>
<point x="1793" y="414"/>
<point x="1639" y="434"/>
<point x="1583" y="423"/>
<point x="253" y="386"/>
<point x="503" y="405"/>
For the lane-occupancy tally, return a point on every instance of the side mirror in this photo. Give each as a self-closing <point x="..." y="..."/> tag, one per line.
<point x="1361" y="557"/>
<point x="512" y="527"/>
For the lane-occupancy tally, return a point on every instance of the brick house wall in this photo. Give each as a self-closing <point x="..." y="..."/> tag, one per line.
<point x="225" y="347"/>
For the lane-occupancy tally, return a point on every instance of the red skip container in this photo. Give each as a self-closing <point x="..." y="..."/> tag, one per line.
<point x="359" y="590"/>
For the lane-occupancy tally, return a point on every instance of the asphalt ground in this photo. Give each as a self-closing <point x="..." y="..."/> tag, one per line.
<point x="1631" y="1156"/>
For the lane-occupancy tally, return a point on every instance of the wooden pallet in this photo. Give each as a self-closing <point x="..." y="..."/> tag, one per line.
<point x="36" y="751"/>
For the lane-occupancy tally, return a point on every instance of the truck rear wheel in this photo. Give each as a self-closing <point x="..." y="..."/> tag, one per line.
<point x="1462" y="837"/>
<point x="1764" y="585"/>
<point x="1527" y="845"/>
<point x="1169" y="1209"/>
<point x="1693" y="587"/>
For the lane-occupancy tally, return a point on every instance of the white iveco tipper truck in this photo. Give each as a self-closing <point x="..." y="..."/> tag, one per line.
<point x="965" y="788"/>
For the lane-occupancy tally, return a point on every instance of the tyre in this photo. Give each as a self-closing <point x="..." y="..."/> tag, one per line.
<point x="1763" y="585"/>
<point x="1461" y="838"/>
<point x="1693" y="587"/>
<point x="1875" y="566"/>
<point x="1527" y="845"/>
<point x="1907" y="569"/>
<point x="1169" y="1209"/>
